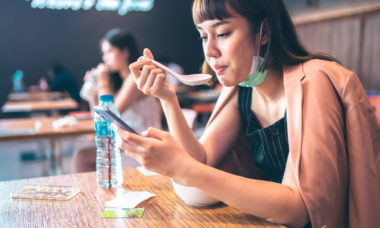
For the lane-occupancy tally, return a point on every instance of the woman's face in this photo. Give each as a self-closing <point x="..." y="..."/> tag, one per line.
<point x="113" y="57"/>
<point x="228" y="46"/>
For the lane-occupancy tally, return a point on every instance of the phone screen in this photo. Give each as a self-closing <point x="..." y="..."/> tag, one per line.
<point x="112" y="118"/>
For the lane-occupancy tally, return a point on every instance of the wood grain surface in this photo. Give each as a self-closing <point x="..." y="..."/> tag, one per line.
<point x="39" y="105"/>
<point x="25" y="128"/>
<point x="35" y="96"/>
<point x="84" y="210"/>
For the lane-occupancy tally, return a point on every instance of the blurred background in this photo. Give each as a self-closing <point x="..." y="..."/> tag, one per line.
<point x="33" y="37"/>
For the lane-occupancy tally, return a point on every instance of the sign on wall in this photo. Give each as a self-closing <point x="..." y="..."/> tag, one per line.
<point x="121" y="6"/>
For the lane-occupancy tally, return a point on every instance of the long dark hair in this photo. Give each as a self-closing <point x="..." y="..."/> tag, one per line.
<point x="122" y="40"/>
<point x="283" y="46"/>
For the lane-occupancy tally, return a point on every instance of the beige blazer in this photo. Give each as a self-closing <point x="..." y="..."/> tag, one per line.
<point x="334" y="142"/>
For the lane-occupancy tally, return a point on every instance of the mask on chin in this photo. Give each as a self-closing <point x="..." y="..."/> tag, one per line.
<point x="256" y="77"/>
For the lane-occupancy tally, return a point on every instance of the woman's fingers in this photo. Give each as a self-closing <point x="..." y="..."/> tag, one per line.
<point x="132" y="149"/>
<point x="149" y="78"/>
<point x="158" y="82"/>
<point x="152" y="77"/>
<point x="133" y="139"/>
<point x="132" y="153"/>
<point x="144" y="75"/>
<point x="155" y="133"/>
<point x="136" y="67"/>
<point x="148" y="53"/>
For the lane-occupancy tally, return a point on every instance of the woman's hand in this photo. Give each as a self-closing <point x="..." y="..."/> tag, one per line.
<point x="103" y="76"/>
<point x="102" y="72"/>
<point x="89" y="74"/>
<point x="150" y="79"/>
<point x="157" y="151"/>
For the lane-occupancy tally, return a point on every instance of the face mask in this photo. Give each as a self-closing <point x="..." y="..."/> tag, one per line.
<point x="256" y="77"/>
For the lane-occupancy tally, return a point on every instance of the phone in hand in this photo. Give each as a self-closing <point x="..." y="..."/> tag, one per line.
<point x="107" y="114"/>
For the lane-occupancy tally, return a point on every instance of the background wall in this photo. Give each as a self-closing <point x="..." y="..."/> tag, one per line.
<point x="350" y="34"/>
<point x="33" y="39"/>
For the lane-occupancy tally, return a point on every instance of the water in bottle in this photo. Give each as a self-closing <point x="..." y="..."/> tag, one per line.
<point x="18" y="85"/>
<point x="108" y="160"/>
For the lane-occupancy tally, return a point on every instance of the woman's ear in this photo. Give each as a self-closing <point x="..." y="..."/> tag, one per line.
<point x="265" y="33"/>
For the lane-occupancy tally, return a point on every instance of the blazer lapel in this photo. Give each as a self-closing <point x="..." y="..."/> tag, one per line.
<point x="293" y="77"/>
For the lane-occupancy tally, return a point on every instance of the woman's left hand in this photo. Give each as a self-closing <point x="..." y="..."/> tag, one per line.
<point x="157" y="151"/>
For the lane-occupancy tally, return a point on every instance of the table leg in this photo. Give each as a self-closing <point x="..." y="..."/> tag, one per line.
<point x="54" y="157"/>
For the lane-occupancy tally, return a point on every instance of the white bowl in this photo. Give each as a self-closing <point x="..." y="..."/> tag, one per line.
<point x="193" y="196"/>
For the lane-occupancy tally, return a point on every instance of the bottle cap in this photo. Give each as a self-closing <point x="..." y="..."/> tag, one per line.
<point x="106" y="98"/>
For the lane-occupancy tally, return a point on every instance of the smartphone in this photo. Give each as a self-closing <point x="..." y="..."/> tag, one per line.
<point x="107" y="114"/>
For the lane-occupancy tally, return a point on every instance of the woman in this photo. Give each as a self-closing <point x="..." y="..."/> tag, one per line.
<point x="312" y="133"/>
<point x="119" y="49"/>
<point x="112" y="76"/>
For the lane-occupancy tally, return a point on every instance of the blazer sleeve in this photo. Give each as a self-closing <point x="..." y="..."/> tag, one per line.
<point x="322" y="168"/>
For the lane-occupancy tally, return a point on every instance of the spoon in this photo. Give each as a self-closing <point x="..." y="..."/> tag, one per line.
<point x="190" y="79"/>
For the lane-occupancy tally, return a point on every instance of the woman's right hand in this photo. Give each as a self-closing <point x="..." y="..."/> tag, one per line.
<point x="102" y="72"/>
<point x="89" y="74"/>
<point x="151" y="80"/>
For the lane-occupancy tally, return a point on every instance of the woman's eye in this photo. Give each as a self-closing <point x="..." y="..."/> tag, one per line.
<point x="223" y="35"/>
<point x="203" y="38"/>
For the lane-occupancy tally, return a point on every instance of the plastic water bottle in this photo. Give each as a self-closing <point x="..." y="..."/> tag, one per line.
<point x="89" y="91"/>
<point x="18" y="85"/>
<point x="108" y="160"/>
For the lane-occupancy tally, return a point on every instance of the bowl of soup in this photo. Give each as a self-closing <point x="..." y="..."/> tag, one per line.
<point x="192" y="195"/>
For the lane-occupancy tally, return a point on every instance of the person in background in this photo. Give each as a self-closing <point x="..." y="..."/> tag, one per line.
<point x="59" y="79"/>
<point x="303" y="134"/>
<point x="112" y="76"/>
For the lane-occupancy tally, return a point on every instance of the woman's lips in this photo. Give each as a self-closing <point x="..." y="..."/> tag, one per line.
<point x="219" y="69"/>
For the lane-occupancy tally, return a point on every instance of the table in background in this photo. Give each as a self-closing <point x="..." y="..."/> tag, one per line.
<point x="202" y="102"/>
<point x="40" y="128"/>
<point x="190" y="98"/>
<point x="84" y="210"/>
<point x="35" y="96"/>
<point x="39" y="106"/>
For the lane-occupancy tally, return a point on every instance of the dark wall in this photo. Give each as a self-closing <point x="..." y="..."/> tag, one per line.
<point x="32" y="39"/>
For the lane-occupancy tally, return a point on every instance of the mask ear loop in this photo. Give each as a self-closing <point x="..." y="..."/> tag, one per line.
<point x="261" y="32"/>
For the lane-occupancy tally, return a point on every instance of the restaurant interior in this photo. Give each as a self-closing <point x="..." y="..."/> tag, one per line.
<point x="42" y="130"/>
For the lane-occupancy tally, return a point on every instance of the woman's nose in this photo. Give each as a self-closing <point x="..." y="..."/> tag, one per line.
<point x="211" y="49"/>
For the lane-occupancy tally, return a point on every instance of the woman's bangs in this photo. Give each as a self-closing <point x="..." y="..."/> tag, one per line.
<point x="209" y="10"/>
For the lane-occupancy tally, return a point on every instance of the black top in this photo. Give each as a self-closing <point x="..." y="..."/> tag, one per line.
<point x="64" y="82"/>
<point x="269" y="145"/>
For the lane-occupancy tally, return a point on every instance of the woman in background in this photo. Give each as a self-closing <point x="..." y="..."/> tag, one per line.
<point x="313" y="151"/>
<point x="112" y="76"/>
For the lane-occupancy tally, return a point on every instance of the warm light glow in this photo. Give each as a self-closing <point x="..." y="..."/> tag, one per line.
<point x="121" y="6"/>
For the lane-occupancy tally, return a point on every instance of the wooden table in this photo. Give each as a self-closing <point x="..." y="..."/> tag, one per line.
<point x="35" y="96"/>
<point x="84" y="210"/>
<point x="41" y="105"/>
<point x="42" y="127"/>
